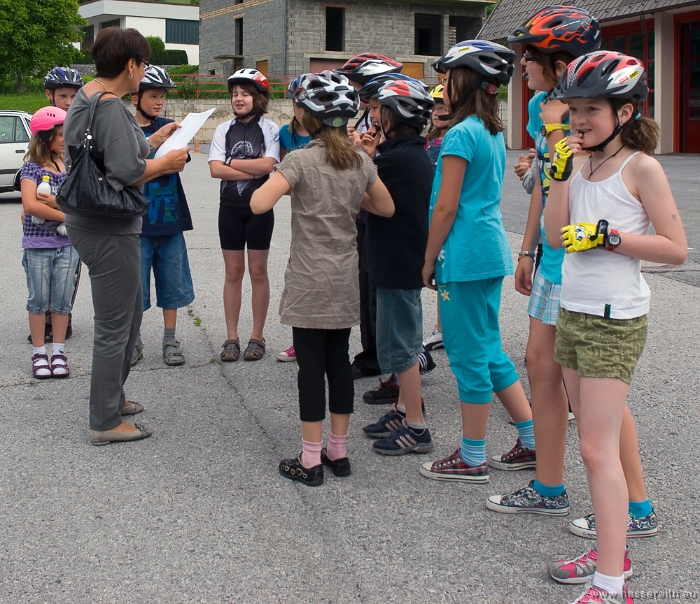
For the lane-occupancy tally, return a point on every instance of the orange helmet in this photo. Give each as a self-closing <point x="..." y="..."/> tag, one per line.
<point x="559" y="28"/>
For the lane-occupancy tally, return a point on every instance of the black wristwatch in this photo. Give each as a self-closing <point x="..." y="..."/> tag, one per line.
<point x="612" y="240"/>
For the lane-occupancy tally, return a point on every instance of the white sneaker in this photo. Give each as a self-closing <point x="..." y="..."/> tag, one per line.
<point x="433" y="341"/>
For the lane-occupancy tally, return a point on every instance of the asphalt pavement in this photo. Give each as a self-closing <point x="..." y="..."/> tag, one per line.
<point x="199" y="512"/>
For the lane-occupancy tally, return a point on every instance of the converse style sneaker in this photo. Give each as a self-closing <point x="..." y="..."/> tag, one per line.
<point x="581" y="569"/>
<point x="388" y="392"/>
<point x="646" y="526"/>
<point x="528" y="501"/>
<point x="388" y="423"/>
<point x="433" y="341"/>
<point x="404" y="440"/>
<point x="455" y="468"/>
<point x="518" y="458"/>
<point x="287" y="356"/>
<point x="595" y="595"/>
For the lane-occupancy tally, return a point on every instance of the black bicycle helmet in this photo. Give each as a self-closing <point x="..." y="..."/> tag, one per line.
<point x="493" y="62"/>
<point x="62" y="77"/>
<point x="328" y="96"/>
<point x="371" y="88"/>
<point x="603" y="74"/>
<point x="409" y="100"/>
<point x="559" y="28"/>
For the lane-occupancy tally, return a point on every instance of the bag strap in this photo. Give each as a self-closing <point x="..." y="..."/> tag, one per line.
<point x="94" y="99"/>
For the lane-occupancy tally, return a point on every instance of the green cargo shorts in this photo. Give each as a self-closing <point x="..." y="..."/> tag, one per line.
<point x="598" y="347"/>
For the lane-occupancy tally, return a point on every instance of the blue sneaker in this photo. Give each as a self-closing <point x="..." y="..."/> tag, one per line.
<point x="388" y="423"/>
<point x="404" y="440"/>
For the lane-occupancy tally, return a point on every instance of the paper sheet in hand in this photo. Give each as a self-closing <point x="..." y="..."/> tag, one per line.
<point x="183" y="135"/>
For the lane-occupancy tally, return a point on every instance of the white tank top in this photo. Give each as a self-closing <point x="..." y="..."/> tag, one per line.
<point x="600" y="282"/>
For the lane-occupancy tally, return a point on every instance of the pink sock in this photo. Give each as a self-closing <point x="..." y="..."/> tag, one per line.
<point x="337" y="446"/>
<point x="311" y="455"/>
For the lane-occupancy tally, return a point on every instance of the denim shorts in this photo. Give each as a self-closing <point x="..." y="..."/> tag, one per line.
<point x="544" y="300"/>
<point x="597" y="347"/>
<point x="399" y="328"/>
<point x="51" y="278"/>
<point x="167" y="255"/>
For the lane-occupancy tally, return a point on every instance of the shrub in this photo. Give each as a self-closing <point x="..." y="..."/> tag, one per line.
<point x="156" y="43"/>
<point x="169" y="57"/>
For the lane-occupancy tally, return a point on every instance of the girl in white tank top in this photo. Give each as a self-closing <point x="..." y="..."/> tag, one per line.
<point x="602" y="217"/>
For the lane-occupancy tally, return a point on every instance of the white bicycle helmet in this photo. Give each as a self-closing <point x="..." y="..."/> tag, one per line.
<point x="493" y="62"/>
<point x="329" y="97"/>
<point x="363" y="67"/>
<point x="252" y="76"/>
<point x="156" y="78"/>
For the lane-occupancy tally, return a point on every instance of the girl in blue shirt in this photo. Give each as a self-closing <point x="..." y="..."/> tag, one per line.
<point x="467" y="257"/>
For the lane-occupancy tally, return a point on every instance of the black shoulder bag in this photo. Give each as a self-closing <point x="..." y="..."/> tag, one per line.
<point x="85" y="190"/>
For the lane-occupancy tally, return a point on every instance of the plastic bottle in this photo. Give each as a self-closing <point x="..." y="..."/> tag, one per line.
<point x="44" y="187"/>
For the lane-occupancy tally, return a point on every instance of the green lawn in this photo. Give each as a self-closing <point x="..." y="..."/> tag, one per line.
<point x="29" y="101"/>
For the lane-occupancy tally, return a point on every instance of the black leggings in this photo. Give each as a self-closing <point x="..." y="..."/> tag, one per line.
<point x="321" y="353"/>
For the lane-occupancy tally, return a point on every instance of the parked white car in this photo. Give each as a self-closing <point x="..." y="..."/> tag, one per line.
<point x="14" y="144"/>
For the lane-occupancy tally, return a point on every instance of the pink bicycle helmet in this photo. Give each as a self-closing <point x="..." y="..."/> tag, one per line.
<point x="44" y="120"/>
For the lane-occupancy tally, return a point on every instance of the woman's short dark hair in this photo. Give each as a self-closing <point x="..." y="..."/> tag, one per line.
<point x="114" y="47"/>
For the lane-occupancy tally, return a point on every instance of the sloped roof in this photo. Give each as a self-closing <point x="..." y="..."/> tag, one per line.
<point x="508" y="14"/>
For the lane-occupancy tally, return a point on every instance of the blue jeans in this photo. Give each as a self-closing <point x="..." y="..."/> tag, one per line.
<point x="167" y="255"/>
<point x="50" y="278"/>
<point x="399" y="328"/>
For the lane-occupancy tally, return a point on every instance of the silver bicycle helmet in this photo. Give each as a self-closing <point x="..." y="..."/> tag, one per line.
<point x="329" y="97"/>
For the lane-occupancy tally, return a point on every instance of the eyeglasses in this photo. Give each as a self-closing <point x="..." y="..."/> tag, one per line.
<point x="146" y="65"/>
<point x="527" y="56"/>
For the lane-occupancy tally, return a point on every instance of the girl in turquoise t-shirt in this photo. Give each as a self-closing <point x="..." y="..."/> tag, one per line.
<point x="467" y="257"/>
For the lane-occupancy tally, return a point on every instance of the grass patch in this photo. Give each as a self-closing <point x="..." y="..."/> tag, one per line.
<point x="29" y="101"/>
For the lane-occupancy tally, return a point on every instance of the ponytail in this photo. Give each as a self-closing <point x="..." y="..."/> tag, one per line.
<point x="342" y="154"/>
<point x="639" y="133"/>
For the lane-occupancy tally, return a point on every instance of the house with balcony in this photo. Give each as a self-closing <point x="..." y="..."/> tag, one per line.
<point x="663" y="34"/>
<point x="296" y="36"/>
<point x="176" y="22"/>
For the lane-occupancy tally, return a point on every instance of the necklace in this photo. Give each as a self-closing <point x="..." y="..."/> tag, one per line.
<point x="101" y="84"/>
<point x="590" y="161"/>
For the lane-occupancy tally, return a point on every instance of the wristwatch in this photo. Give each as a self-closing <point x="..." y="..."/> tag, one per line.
<point x="612" y="240"/>
<point x="526" y="254"/>
<point x="547" y="129"/>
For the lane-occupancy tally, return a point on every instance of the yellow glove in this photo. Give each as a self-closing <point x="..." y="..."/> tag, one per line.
<point x="562" y="161"/>
<point x="584" y="236"/>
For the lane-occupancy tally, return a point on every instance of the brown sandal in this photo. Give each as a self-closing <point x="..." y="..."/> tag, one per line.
<point x="230" y="351"/>
<point x="255" y="350"/>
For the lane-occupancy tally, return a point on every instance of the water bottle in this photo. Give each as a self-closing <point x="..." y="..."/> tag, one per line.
<point x="44" y="187"/>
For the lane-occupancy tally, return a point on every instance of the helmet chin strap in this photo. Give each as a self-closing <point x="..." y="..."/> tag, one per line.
<point x="242" y="116"/>
<point x="141" y="111"/>
<point x="607" y="141"/>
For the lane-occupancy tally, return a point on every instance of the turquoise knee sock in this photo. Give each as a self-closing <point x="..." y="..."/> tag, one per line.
<point x="639" y="509"/>
<point x="526" y="433"/>
<point x="473" y="452"/>
<point x="547" y="491"/>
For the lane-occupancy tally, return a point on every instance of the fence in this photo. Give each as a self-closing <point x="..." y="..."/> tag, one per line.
<point x="205" y="86"/>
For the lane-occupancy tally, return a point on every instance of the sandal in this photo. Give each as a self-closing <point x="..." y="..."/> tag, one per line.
<point x="255" y="350"/>
<point x="230" y="351"/>
<point x="172" y="353"/>
<point x="41" y="369"/>
<point x="59" y="366"/>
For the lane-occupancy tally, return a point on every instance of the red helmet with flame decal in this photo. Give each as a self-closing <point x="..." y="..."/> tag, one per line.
<point x="559" y="29"/>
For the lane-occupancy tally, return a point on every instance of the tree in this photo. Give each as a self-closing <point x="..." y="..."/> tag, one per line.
<point x="156" y="43"/>
<point x="36" y="35"/>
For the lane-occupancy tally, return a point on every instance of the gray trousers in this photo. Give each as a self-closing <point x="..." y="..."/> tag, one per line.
<point x="114" y="265"/>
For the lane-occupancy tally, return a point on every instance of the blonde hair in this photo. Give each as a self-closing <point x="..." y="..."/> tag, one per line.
<point x="39" y="152"/>
<point x="342" y="154"/>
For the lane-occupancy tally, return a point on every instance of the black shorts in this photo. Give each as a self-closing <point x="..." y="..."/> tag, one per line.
<point x="240" y="228"/>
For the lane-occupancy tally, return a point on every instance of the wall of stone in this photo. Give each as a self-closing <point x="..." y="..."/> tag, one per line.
<point x="280" y="112"/>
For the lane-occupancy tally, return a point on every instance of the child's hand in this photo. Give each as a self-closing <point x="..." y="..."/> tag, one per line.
<point x="369" y="141"/>
<point x="575" y="143"/>
<point x="584" y="236"/>
<point x="552" y="112"/>
<point x="523" y="275"/>
<point x="429" y="276"/>
<point x="48" y="199"/>
<point x="162" y="135"/>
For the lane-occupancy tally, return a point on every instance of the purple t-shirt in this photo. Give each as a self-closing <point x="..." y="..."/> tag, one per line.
<point x="42" y="235"/>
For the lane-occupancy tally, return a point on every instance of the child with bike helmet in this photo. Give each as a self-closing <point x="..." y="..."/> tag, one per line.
<point x="599" y="209"/>
<point x="61" y="84"/>
<point x="163" y="247"/>
<point x="292" y="136"/>
<point x="329" y="180"/>
<point x="557" y="33"/>
<point x="243" y="153"/>
<point x="468" y="256"/>
<point x="49" y="260"/>
<point x="438" y="125"/>
<point x="401" y="109"/>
